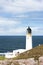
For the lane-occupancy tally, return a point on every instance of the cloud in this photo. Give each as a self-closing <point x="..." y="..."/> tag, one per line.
<point x="22" y="16"/>
<point x="13" y="31"/>
<point x="20" y="6"/>
<point x="37" y="30"/>
<point x="11" y="27"/>
<point x="18" y="14"/>
<point x="17" y="31"/>
<point x="8" y="21"/>
<point x="7" y="24"/>
<point x="38" y="0"/>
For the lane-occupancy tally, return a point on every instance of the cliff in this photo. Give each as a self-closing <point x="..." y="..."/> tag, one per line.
<point x="33" y="53"/>
<point x="30" y="57"/>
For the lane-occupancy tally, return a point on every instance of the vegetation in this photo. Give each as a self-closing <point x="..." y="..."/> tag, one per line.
<point x="13" y="63"/>
<point x="33" y="53"/>
<point x="2" y="57"/>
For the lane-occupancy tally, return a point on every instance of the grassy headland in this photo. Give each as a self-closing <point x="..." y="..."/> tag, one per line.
<point x="33" y="53"/>
<point x="2" y="57"/>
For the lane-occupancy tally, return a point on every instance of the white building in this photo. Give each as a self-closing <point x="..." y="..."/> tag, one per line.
<point x="29" y="39"/>
<point x="28" y="45"/>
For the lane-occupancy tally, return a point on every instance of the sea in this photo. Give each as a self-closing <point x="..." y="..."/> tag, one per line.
<point x="10" y="43"/>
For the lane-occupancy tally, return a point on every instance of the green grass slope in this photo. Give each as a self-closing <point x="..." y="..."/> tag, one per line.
<point x="33" y="53"/>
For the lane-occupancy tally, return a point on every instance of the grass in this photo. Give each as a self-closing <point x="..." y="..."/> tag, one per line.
<point x="2" y="57"/>
<point x="33" y="53"/>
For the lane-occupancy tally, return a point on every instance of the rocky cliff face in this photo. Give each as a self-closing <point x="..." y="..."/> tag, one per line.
<point x="29" y="61"/>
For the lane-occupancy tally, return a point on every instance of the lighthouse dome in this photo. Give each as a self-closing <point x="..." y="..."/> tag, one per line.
<point x="29" y="30"/>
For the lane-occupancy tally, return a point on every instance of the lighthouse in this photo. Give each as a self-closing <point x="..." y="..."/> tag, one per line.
<point x="28" y="39"/>
<point x="28" y="45"/>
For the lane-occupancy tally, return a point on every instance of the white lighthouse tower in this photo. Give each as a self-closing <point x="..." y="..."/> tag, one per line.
<point x="28" y="45"/>
<point x="29" y="39"/>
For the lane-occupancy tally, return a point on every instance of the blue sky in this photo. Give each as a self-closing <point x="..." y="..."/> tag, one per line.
<point x="17" y="15"/>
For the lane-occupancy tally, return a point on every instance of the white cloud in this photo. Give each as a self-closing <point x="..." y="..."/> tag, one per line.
<point x="10" y="27"/>
<point x="13" y="31"/>
<point x="5" y="21"/>
<point x="17" y="31"/>
<point x="20" y="6"/>
<point x="7" y="25"/>
<point x="22" y="16"/>
<point x="37" y="31"/>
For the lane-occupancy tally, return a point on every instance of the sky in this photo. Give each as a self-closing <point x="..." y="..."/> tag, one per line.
<point x="17" y="15"/>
